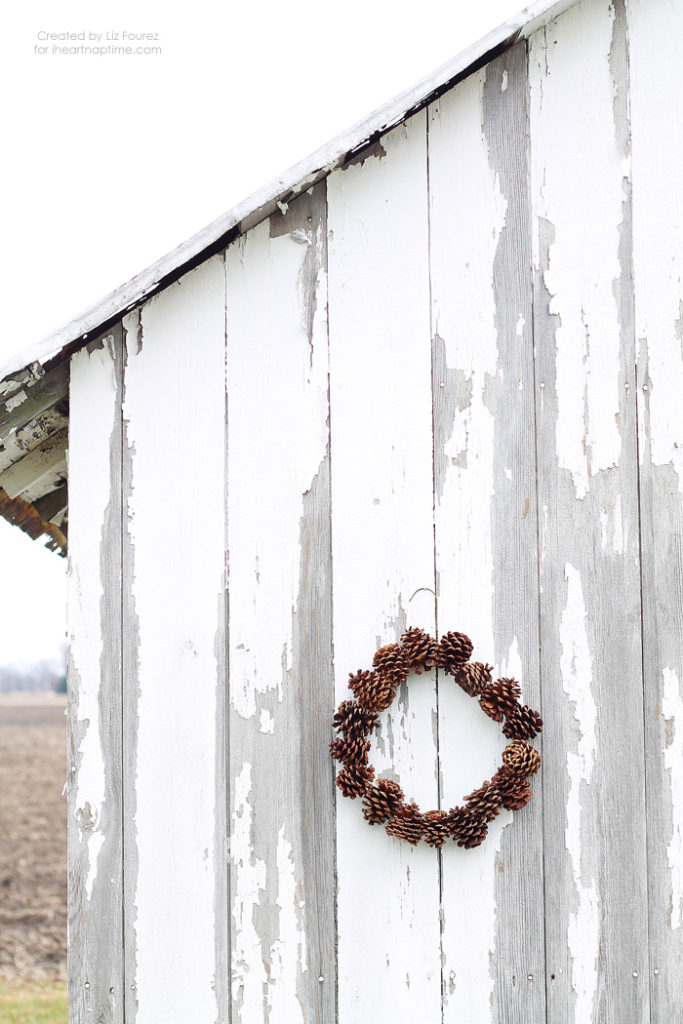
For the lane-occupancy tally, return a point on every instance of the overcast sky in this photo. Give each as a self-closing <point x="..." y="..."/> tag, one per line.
<point x="113" y="160"/>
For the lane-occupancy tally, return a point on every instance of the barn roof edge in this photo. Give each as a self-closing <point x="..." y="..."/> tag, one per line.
<point x="298" y="178"/>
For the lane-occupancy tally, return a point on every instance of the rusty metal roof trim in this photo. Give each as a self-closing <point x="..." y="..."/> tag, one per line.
<point x="20" y="513"/>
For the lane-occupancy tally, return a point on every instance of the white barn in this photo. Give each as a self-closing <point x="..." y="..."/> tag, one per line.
<point x="431" y="377"/>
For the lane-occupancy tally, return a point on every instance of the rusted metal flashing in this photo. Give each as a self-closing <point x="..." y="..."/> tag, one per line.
<point x="20" y="513"/>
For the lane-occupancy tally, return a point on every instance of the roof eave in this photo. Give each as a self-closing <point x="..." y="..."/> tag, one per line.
<point x="246" y="214"/>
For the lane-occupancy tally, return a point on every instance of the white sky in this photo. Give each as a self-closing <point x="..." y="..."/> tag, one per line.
<point x="111" y="161"/>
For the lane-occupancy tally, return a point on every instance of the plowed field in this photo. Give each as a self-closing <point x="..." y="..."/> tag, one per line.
<point x="32" y="837"/>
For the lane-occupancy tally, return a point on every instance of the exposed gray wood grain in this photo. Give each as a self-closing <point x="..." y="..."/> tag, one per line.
<point x="130" y="688"/>
<point x="222" y="811"/>
<point x="662" y="573"/>
<point x="592" y="775"/>
<point x="95" y="954"/>
<point x="281" y="748"/>
<point x="519" y="953"/>
<point x="312" y="670"/>
<point x="656" y="107"/>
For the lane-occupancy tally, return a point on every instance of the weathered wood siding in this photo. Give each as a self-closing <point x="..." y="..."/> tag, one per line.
<point x="439" y="389"/>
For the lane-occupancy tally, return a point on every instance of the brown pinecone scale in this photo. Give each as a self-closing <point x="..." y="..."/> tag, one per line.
<point x="523" y="724"/>
<point x="484" y="802"/>
<point x="354" y="720"/>
<point x="468" y="830"/>
<point x="455" y="650"/>
<point x="373" y="691"/>
<point x="382" y="801"/>
<point x="419" y="650"/>
<point x="391" y="665"/>
<point x="436" y="828"/>
<point x="474" y="677"/>
<point x="406" y="824"/>
<point x="350" y="749"/>
<point x="354" y="779"/>
<point x="521" y="758"/>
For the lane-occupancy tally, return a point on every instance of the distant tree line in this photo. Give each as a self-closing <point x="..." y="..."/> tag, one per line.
<point x="40" y="677"/>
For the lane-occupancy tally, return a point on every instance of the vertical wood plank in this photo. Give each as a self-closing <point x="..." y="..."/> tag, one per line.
<point x="382" y="534"/>
<point x="484" y="448"/>
<point x="174" y="412"/>
<point x="595" y="865"/>
<point x="282" y="844"/>
<point x="655" y="31"/>
<point x="94" y="781"/>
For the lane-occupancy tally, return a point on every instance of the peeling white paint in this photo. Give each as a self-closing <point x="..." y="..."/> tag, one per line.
<point x="93" y="391"/>
<point x="577" y="672"/>
<point x="672" y="712"/>
<point x="180" y="350"/>
<point x="15" y="401"/>
<point x="467" y="217"/>
<point x="291" y="377"/>
<point x="267" y="721"/>
<point x="583" y="260"/>
<point x="658" y="224"/>
<point x="613" y="528"/>
<point x="288" y="952"/>
<point x="381" y="419"/>
<point x="464" y="313"/>
<point x="249" y="882"/>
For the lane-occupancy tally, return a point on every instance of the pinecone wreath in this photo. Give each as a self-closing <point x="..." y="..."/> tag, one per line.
<point x="383" y="801"/>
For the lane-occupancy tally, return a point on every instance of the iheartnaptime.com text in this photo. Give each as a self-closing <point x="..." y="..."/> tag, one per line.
<point x="109" y="42"/>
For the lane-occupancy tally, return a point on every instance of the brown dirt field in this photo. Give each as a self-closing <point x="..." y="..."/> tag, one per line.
<point x="32" y="837"/>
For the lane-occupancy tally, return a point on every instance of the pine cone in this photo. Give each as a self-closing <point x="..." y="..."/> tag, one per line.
<point x="372" y="691"/>
<point x="355" y="779"/>
<point x="407" y="824"/>
<point x="506" y="693"/>
<point x="500" y="699"/>
<point x="521" y="758"/>
<point x="514" y="790"/>
<point x="455" y="650"/>
<point x="490" y="707"/>
<point x="523" y="724"/>
<point x="519" y="798"/>
<point x="354" y="720"/>
<point x="467" y="829"/>
<point x="436" y="828"/>
<point x="419" y="650"/>
<point x="382" y="801"/>
<point x="473" y="677"/>
<point x="485" y="802"/>
<point x="351" y="749"/>
<point x="390" y="664"/>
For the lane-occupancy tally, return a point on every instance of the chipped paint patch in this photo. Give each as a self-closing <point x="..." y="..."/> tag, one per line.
<point x="587" y="334"/>
<point x="249" y="881"/>
<point x="16" y="401"/>
<point x="267" y="721"/>
<point x="672" y="712"/>
<point x="288" y="952"/>
<point x="613" y="528"/>
<point x="265" y="563"/>
<point x="576" y="671"/>
<point x="94" y="376"/>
